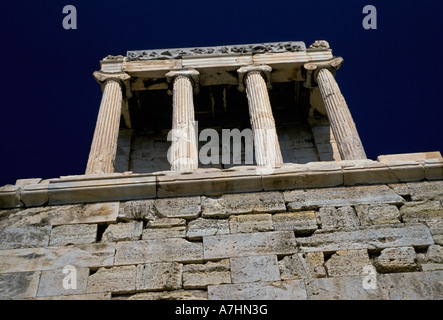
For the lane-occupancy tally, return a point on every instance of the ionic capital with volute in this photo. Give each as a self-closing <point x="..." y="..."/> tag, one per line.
<point x="264" y="70"/>
<point x="191" y="74"/>
<point x="312" y="69"/>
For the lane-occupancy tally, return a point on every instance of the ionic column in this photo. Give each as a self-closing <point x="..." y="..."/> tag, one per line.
<point x="183" y="154"/>
<point x="267" y="147"/>
<point x="342" y="124"/>
<point x="104" y="143"/>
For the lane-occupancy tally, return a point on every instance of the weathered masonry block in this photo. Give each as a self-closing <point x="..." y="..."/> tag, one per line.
<point x="400" y="259"/>
<point x="157" y="250"/>
<point x="206" y="227"/>
<point x="244" y="203"/>
<point x="237" y="245"/>
<point x="123" y="232"/>
<point x="159" y="276"/>
<point x="375" y="237"/>
<point x="254" y="268"/>
<point x="301" y="222"/>
<point x="347" y="263"/>
<point x="342" y="196"/>
<point x="302" y="266"/>
<point x="24" y="237"/>
<point x="51" y="283"/>
<point x="200" y="276"/>
<point x="47" y="258"/>
<point x="73" y="234"/>
<point x="278" y="290"/>
<point x="115" y="279"/>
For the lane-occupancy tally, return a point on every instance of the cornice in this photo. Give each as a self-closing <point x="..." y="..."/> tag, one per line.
<point x="213" y="182"/>
<point x="178" y="53"/>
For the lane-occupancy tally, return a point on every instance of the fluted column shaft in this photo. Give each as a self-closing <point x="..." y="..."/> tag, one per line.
<point x="104" y="143"/>
<point x="184" y="154"/>
<point x="267" y="147"/>
<point x="342" y="124"/>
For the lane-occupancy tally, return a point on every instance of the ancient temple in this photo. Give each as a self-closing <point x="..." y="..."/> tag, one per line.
<point x="288" y="207"/>
<point x="285" y="93"/>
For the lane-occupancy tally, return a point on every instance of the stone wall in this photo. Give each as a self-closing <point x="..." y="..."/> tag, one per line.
<point x="380" y="241"/>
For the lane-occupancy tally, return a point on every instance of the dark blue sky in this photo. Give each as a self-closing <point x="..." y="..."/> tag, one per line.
<point x="391" y="77"/>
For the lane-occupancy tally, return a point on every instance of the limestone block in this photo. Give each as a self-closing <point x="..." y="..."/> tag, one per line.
<point x="434" y="254"/>
<point x="342" y="288"/>
<point x="157" y="250"/>
<point x="25" y="237"/>
<point x="419" y="156"/>
<point x="88" y="213"/>
<point x="373" y="173"/>
<point x="375" y="237"/>
<point x="377" y="214"/>
<point x="433" y="169"/>
<point x="213" y="208"/>
<point x="73" y="234"/>
<point x="431" y="266"/>
<point x="243" y="244"/>
<point x="413" y="285"/>
<point x="420" y="211"/>
<point x="209" y="183"/>
<point x="159" y="276"/>
<point x="407" y="170"/>
<point x="206" y="227"/>
<point x="250" y="223"/>
<point x="51" y="282"/>
<point x="166" y="223"/>
<point x="254" y="268"/>
<point x="341" y="217"/>
<point x="426" y="190"/>
<point x="228" y="204"/>
<point x="341" y="196"/>
<point x="34" y="195"/>
<point x="31" y="259"/>
<point x="302" y="266"/>
<point x="59" y="215"/>
<point x="170" y="295"/>
<point x="287" y="178"/>
<point x="401" y="259"/>
<point x="300" y="222"/>
<point x="436" y="229"/>
<point x="180" y="207"/>
<point x="24" y="182"/>
<point x="123" y="231"/>
<point x="115" y="279"/>
<point x="161" y="233"/>
<point x="24" y="218"/>
<point x="279" y="290"/>
<point x="101" y="187"/>
<point x="347" y="263"/>
<point x="401" y="189"/>
<point x="197" y="276"/>
<point x="10" y="197"/>
<point x="19" y="285"/>
<point x="137" y="209"/>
